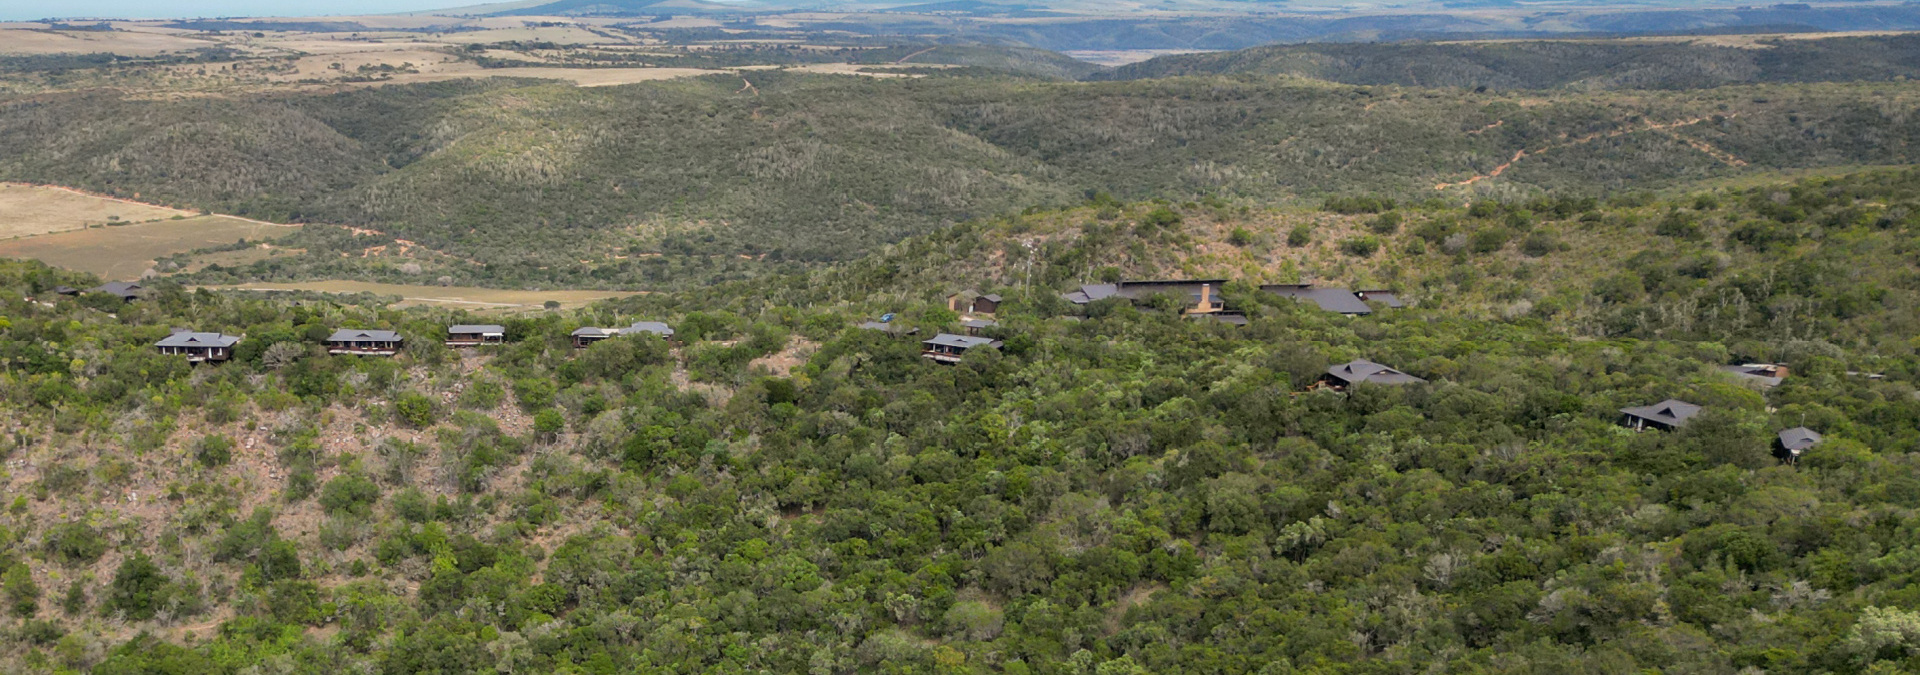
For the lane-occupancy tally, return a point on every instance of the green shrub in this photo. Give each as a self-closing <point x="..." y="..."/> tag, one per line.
<point x="1300" y="235"/>
<point x="349" y="494"/>
<point x="75" y="543"/>
<point x="415" y="409"/>
<point x="213" y="450"/>
<point x="1361" y="247"/>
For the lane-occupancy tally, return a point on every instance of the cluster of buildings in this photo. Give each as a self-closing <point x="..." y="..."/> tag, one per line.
<point x="200" y="347"/>
<point x="1202" y="299"/>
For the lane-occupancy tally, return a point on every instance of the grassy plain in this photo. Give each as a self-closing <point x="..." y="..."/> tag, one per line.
<point x="27" y="210"/>
<point x="124" y="252"/>
<point x="479" y="299"/>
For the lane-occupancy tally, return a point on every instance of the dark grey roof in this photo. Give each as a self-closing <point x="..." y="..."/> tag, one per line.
<point x="979" y="323"/>
<point x="125" y="289"/>
<point x="1338" y="300"/>
<point x="991" y="297"/>
<point x="1757" y="372"/>
<point x="1370" y="372"/>
<point x="362" y="335"/>
<point x="1384" y="297"/>
<point x="590" y="331"/>
<point x="1091" y="293"/>
<point x="197" y="340"/>
<point x="653" y="327"/>
<point x="1671" y="412"/>
<point x="66" y="290"/>
<point x="1798" y="439"/>
<point x="961" y="341"/>
<point x="482" y="329"/>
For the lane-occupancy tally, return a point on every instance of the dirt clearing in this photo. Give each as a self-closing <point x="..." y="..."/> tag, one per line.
<point x="124" y="252"/>
<point x="27" y="210"/>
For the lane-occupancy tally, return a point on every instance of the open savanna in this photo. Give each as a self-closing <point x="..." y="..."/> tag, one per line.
<point x="27" y="210"/>
<point x="124" y="252"/>
<point x="465" y="297"/>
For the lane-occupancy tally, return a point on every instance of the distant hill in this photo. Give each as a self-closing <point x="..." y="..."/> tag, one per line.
<point x="1546" y="64"/>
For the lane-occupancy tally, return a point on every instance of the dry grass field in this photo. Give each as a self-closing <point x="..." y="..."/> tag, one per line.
<point x="124" y="43"/>
<point x="27" y="210"/>
<point x="479" y="299"/>
<point x="124" y="252"/>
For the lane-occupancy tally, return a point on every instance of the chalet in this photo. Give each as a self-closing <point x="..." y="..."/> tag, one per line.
<point x="889" y="328"/>
<point x="648" y="328"/>
<point x="1763" y="374"/>
<point x="474" y="335"/>
<point x="1666" y="415"/>
<point x="1348" y="374"/>
<point x="585" y="336"/>
<point x="66" y="290"/>
<point x="198" y="347"/>
<point x="976" y="326"/>
<point x="360" y="342"/>
<point x="985" y="304"/>
<point x="1337" y="300"/>
<point x="1198" y="296"/>
<point x="949" y="348"/>
<point x="962" y="302"/>
<point x="1795" y="441"/>
<point x="125" y="290"/>
<point x="1382" y="296"/>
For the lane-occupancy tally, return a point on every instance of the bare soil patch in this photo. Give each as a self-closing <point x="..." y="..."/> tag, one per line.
<point x="34" y="209"/>
<point x="124" y="252"/>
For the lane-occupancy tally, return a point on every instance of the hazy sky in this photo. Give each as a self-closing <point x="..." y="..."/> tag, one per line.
<point x="31" y="9"/>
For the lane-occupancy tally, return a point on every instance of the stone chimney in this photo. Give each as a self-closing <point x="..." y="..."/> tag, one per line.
<point x="1206" y="299"/>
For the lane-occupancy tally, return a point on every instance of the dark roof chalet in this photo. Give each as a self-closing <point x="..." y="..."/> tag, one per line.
<point x="590" y="331"/>
<point x="476" y="329"/>
<point x="66" y="290"/>
<point x="1671" y="412"/>
<point x="1798" y="439"/>
<point x="991" y="297"/>
<point x="1337" y="300"/>
<point x="190" y="339"/>
<point x="962" y="342"/>
<point x="1370" y="372"/>
<point x="1767" y="375"/>
<point x="124" y="289"/>
<point x="360" y="335"/>
<point x="979" y="323"/>
<point x="653" y="327"/>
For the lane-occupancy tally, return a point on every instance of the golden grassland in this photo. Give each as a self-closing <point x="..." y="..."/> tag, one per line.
<point x="464" y="297"/>
<point x="127" y="251"/>
<point x="28" y="210"/>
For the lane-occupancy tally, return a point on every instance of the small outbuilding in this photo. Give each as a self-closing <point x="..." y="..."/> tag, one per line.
<point x="362" y="342"/>
<point x="1763" y="374"/>
<point x="474" y="335"/>
<point x="985" y="304"/>
<point x="66" y="290"/>
<point x="585" y="336"/>
<point x="1795" y="441"/>
<point x="950" y="348"/>
<point x="1355" y="372"/>
<point x="1666" y="415"/>
<point x="198" y="347"/>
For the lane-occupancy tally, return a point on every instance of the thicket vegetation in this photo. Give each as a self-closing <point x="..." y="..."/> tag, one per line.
<point x="1118" y="491"/>
<point x="529" y="181"/>
<point x="1549" y="64"/>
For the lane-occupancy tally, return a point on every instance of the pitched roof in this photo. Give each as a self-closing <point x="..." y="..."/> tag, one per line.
<point x="960" y="341"/>
<point x="359" y="335"/>
<point x="125" y="289"/>
<point x="590" y="331"/>
<point x="1338" y="300"/>
<point x="1091" y="293"/>
<point x="1799" y="438"/>
<point x="979" y="323"/>
<point x="1757" y="372"/>
<point x="653" y="327"/>
<point x="991" y="297"/>
<point x="1370" y="372"/>
<point x="482" y="329"/>
<point x="190" y="339"/>
<point x="1381" y="296"/>
<point x="1671" y="412"/>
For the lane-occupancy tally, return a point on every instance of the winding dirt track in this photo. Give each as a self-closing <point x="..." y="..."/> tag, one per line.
<point x="1664" y="129"/>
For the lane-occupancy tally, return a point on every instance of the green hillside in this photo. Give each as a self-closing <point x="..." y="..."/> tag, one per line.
<point x="1115" y="490"/>
<point x="519" y="183"/>
<point x="1572" y="64"/>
